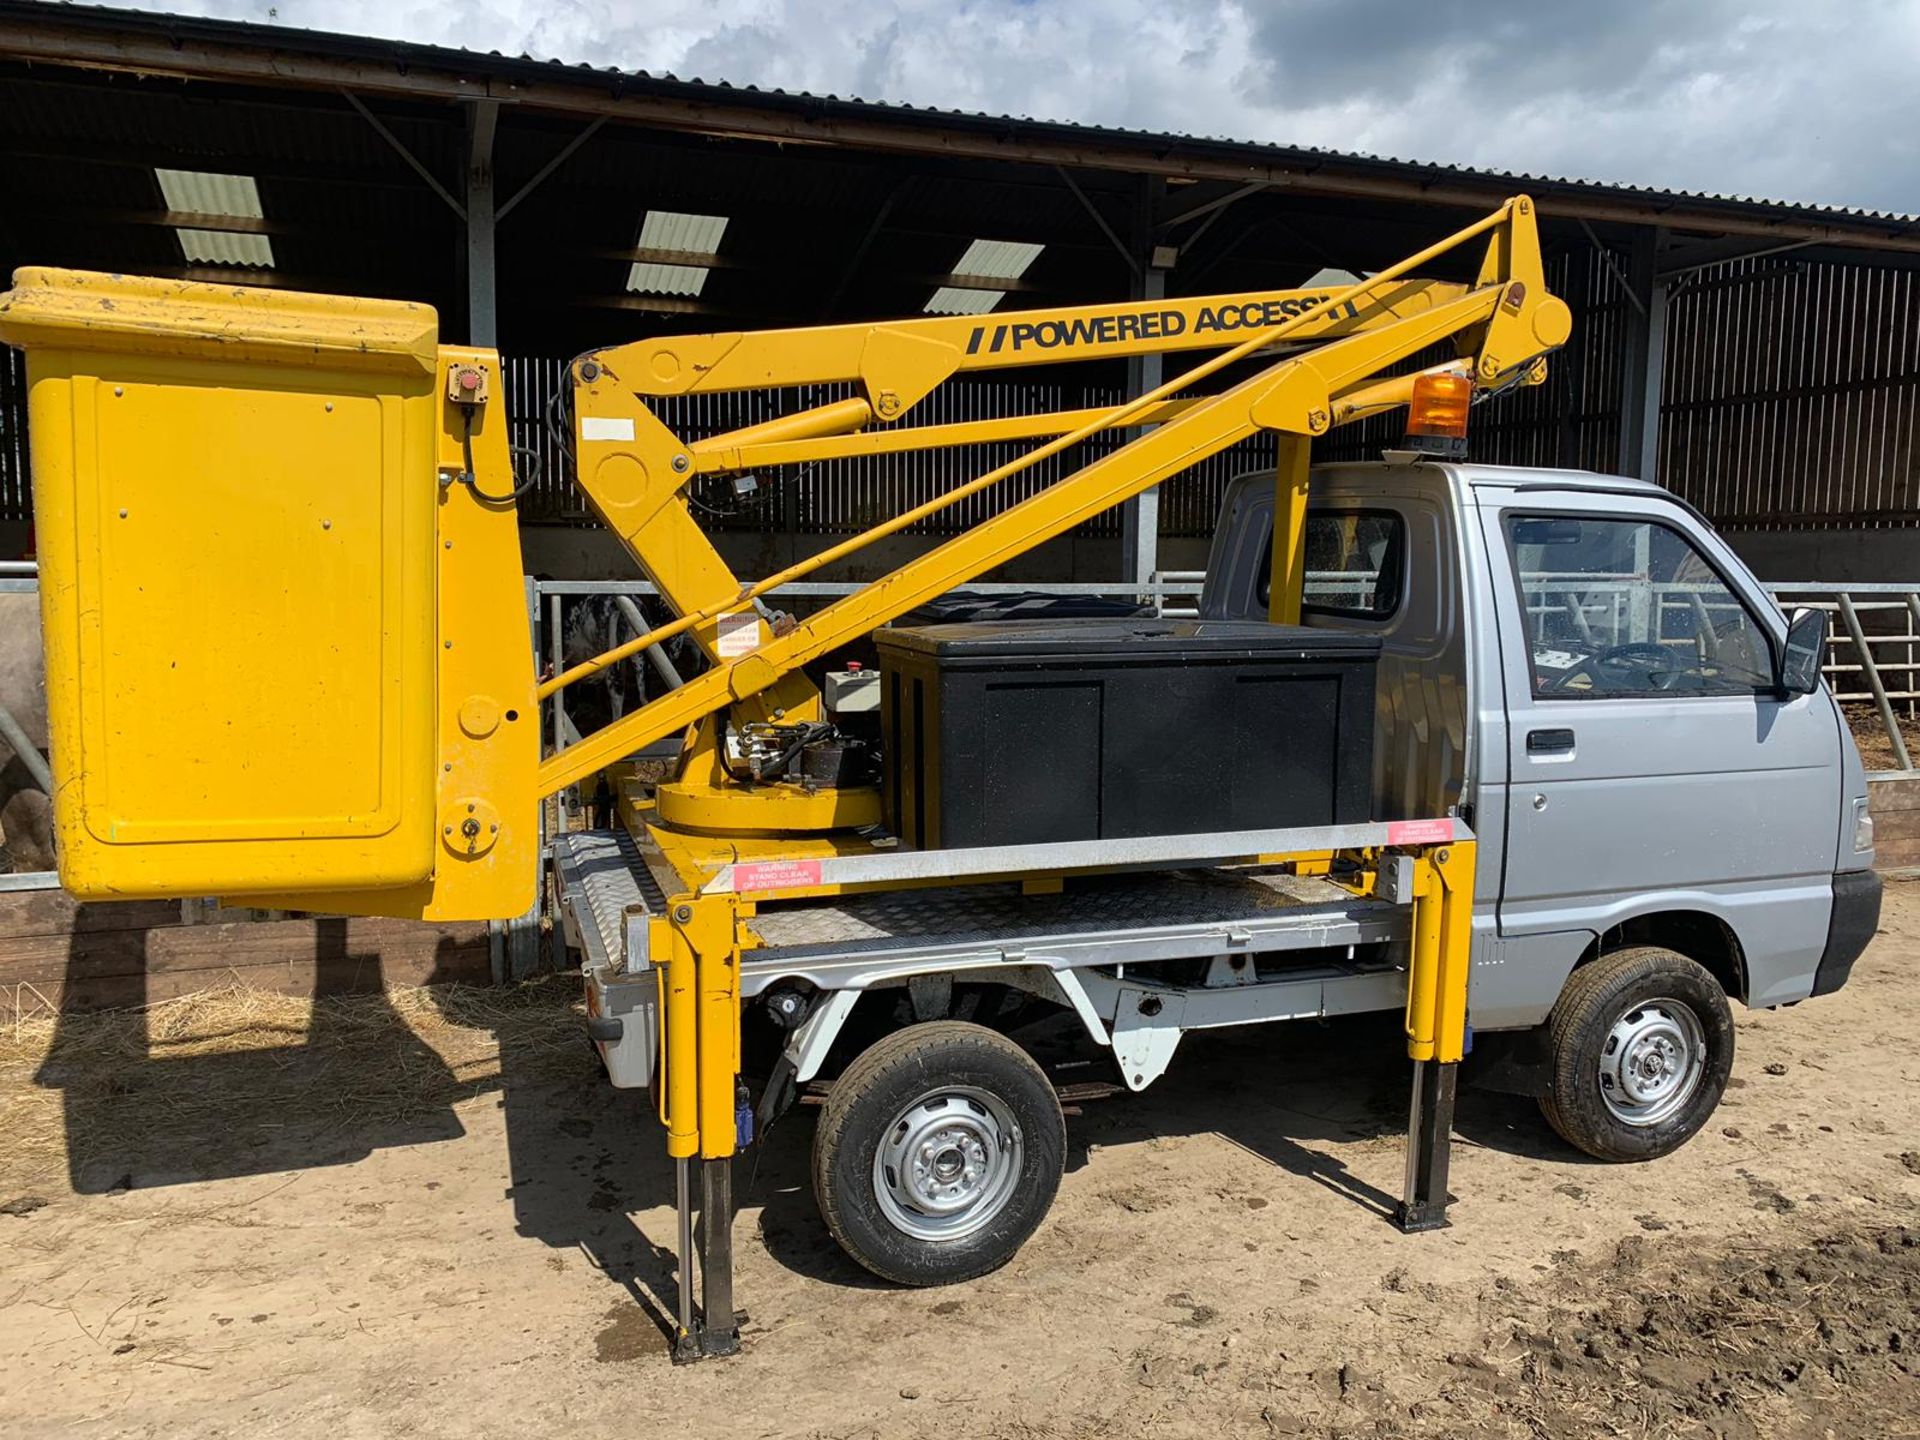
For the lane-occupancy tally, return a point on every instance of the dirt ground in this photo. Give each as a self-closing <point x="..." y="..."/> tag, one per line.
<point x="426" y="1216"/>
<point x="1876" y="747"/>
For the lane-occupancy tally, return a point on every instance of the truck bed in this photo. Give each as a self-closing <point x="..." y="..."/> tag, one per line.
<point x="1105" y="920"/>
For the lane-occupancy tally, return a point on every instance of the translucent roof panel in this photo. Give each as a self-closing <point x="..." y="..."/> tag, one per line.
<point x="224" y="247"/>
<point x="690" y="234"/>
<point x="646" y="278"/>
<point x="955" y="300"/>
<point x="202" y="192"/>
<point x="199" y="192"/>
<point x="998" y="259"/>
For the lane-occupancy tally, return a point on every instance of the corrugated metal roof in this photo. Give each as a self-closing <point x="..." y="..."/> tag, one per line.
<point x="405" y="55"/>
<point x="1427" y="170"/>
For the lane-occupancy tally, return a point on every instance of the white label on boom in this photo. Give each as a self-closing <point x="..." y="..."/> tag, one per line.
<point x="606" y="427"/>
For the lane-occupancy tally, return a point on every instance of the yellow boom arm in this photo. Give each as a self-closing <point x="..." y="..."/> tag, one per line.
<point x="1337" y="343"/>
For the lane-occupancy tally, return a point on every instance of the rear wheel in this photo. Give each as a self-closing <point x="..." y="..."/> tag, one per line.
<point x="938" y="1153"/>
<point x="1641" y="1044"/>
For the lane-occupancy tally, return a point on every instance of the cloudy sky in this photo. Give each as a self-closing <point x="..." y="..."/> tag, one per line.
<point x="1790" y="99"/>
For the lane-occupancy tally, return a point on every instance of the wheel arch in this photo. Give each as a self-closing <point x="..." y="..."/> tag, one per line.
<point x="1701" y="936"/>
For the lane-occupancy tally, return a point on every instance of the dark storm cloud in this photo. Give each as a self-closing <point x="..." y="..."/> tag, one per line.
<point x="1795" y="100"/>
<point x="1499" y="51"/>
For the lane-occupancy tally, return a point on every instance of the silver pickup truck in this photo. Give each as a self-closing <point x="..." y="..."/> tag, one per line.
<point x="1667" y="817"/>
<point x="1600" y="686"/>
<point x="1670" y="813"/>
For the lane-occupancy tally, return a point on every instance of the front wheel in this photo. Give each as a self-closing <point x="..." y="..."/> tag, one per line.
<point x="938" y="1153"/>
<point x="1641" y="1044"/>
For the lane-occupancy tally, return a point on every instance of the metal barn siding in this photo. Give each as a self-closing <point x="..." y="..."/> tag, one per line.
<point x="1792" y="392"/>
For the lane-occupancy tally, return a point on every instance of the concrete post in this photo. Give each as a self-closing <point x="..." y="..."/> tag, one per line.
<point x="1646" y="345"/>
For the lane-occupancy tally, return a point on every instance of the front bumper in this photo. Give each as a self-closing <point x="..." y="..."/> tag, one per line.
<point x="1856" y="916"/>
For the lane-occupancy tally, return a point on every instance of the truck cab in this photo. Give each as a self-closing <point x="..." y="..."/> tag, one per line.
<point x="1583" y="669"/>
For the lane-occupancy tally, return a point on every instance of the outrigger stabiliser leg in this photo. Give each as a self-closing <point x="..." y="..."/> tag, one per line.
<point x="1438" y="1036"/>
<point x="694" y="950"/>
<point x="714" y="1330"/>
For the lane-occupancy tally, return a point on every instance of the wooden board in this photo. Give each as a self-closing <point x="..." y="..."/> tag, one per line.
<point x="57" y="952"/>
<point x="1896" y="823"/>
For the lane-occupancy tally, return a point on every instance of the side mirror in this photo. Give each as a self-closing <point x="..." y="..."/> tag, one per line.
<point x="1806" y="646"/>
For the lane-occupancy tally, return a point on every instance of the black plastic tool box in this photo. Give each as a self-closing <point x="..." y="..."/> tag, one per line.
<point x="963" y="607"/>
<point x="1017" y="732"/>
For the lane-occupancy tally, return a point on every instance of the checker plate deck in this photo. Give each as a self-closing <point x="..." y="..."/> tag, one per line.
<point x="602" y="876"/>
<point x="1105" y="902"/>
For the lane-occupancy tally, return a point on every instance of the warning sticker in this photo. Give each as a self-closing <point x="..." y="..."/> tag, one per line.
<point x="776" y="875"/>
<point x="739" y="635"/>
<point x="1419" y="832"/>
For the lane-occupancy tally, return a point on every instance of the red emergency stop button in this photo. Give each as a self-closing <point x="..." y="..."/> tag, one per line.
<point x="467" y="384"/>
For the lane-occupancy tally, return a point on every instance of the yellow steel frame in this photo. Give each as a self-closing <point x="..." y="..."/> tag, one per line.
<point x="1436" y="1019"/>
<point x="696" y="953"/>
<point x="698" y="943"/>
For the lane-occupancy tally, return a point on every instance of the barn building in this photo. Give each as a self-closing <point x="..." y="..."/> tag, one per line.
<point x="1760" y="358"/>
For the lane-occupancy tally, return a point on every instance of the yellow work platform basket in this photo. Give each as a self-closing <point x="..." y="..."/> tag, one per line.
<point x="250" y="593"/>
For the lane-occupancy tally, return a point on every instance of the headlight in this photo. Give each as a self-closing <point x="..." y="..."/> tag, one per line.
<point x="1862" y="827"/>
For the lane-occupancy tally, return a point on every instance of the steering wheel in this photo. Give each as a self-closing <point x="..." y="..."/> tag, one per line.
<point x="1638" y="657"/>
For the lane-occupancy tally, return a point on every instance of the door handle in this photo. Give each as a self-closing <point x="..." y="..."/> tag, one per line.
<point x="1549" y="742"/>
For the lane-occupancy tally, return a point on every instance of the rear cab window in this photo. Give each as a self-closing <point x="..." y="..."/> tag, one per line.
<point x="1356" y="564"/>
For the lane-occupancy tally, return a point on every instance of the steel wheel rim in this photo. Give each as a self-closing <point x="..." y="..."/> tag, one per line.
<point x="948" y="1164"/>
<point x="1652" y="1062"/>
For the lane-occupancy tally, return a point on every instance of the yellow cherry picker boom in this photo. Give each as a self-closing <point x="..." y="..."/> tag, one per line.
<point x="289" y="664"/>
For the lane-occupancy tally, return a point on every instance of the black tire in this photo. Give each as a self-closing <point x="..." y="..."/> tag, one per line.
<point x="1641" y="991"/>
<point x="945" y="1085"/>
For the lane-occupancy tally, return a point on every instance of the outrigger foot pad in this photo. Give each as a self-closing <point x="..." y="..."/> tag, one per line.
<point x="1414" y="1219"/>
<point x="706" y="1344"/>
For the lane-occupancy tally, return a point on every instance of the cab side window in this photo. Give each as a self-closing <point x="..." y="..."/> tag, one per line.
<point x="1625" y="607"/>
